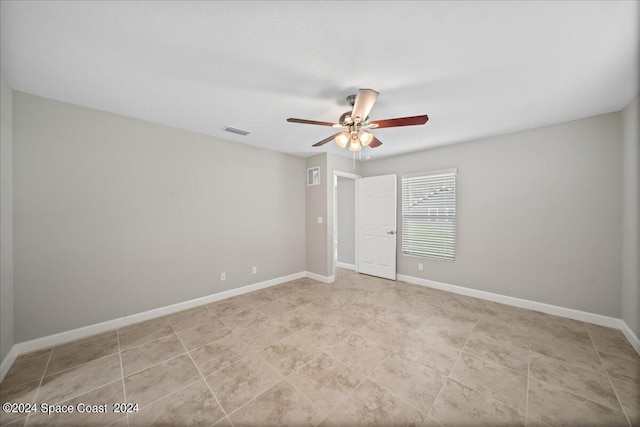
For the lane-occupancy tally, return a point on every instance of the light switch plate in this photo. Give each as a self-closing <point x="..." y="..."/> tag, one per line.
<point x="319" y="220"/>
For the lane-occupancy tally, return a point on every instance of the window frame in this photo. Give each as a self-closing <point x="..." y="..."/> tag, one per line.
<point x="449" y="256"/>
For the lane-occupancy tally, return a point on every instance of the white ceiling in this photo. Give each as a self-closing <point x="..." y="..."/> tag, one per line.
<point x="477" y="68"/>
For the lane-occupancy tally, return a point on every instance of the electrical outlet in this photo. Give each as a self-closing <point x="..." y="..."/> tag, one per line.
<point x="223" y="277"/>
<point x="254" y="269"/>
<point x="420" y="266"/>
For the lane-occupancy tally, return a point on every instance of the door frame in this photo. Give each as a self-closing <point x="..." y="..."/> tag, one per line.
<point x="334" y="232"/>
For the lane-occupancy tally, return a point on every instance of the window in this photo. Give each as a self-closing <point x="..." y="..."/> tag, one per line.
<point x="429" y="214"/>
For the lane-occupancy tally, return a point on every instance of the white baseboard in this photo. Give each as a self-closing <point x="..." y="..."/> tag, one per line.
<point x="345" y="265"/>
<point x="320" y="278"/>
<point x="632" y="337"/>
<point x="8" y="361"/>
<point x="109" y="325"/>
<point x="570" y="313"/>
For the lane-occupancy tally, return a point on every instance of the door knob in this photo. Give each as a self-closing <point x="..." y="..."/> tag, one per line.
<point x="391" y="232"/>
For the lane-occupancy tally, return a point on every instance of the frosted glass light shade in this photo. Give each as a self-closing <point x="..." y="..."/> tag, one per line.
<point x="365" y="138"/>
<point x="342" y="139"/>
<point x="355" y="145"/>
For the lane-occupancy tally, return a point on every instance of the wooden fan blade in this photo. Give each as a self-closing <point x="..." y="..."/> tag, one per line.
<point x="364" y="102"/>
<point x="400" y="121"/>
<point x="309" y="122"/>
<point x="324" y="141"/>
<point x="375" y="142"/>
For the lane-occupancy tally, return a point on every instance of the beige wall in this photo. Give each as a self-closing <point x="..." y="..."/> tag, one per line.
<point x="6" y="220"/>
<point x="346" y="216"/>
<point x="631" y="217"/>
<point x="342" y="164"/>
<point x="115" y="216"/>
<point x="538" y="213"/>
<point x="316" y="206"/>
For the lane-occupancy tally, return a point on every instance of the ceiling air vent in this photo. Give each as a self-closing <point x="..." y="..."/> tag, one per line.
<point x="236" y="130"/>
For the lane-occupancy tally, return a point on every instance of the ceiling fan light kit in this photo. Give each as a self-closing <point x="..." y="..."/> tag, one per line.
<point x="356" y="121"/>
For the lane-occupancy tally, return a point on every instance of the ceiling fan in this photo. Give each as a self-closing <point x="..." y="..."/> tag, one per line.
<point x="356" y="122"/>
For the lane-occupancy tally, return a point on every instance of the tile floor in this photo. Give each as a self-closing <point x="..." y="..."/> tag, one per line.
<point x="361" y="351"/>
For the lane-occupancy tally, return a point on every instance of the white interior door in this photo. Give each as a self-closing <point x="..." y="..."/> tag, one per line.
<point x="377" y="226"/>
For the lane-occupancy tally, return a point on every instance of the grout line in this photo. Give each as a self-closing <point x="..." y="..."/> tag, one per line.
<point x="124" y="389"/>
<point x="451" y="370"/>
<point x="285" y="379"/>
<point x="170" y="394"/>
<point x="202" y="376"/>
<point x="139" y="345"/>
<point x="35" y="398"/>
<point x="609" y="378"/>
<point x="155" y="364"/>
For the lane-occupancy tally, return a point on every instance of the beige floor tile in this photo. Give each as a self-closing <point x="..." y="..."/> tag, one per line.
<point x="76" y="353"/>
<point x="430" y="351"/>
<point x="27" y="367"/>
<point x="122" y="422"/>
<point x="229" y="306"/>
<point x="326" y="381"/>
<point x="301" y="298"/>
<point x="493" y="311"/>
<point x="372" y="405"/>
<point x="204" y="333"/>
<point x="244" y="319"/>
<point x="611" y="341"/>
<point x="189" y="318"/>
<point x="404" y="319"/>
<point x="458" y="405"/>
<point x="276" y="307"/>
<point x="218" y="355"/>
<point x="321" y="290"/>
<point x="264" y="334"/>
<point x="503" y="384"/>
<point x="290" y="354"/>
<point x="324" y="332"/>
<point x="359" y="353"/>
<point x="567" y="350"/>
<point x="260" y="297"/>
<point x="629" y="394"/>
<point x="350" y="318"/>
<point x="297" y="319"/>
<point x="237" y="384"/>
<point x="108" y="394"/>
<point x="222" y="423"/>
<point x="458" y="325"/>
<point x="454" y="336"/>
<point x="415" y="383"/>
<point x="278" y="406"/>
<point x="190" y="406"/>
<point x="592" y="384"/>
<point x="321" y="307"/>
<point x="143" y="356"/>
<point x="81" y="379"/>
<point x="16" y="423"/>
<point x="548" y="326"/>
<point x="160" y="380"/>
<point x="406" y="337"/>
<point x="513" y="331"/>
<point x="556" y="406"/>
<point x="22" y="393"/>
<point x="622" y="368"/>
<point x="143" y="332"/>
<point x="506" y="353"/>
<point x="383" y="332"/>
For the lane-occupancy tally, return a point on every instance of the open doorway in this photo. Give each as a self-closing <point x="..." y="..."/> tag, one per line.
<point x="345" y="212"/>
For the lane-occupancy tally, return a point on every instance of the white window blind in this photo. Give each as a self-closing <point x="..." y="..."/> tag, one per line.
<point x="429" y="214"/>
